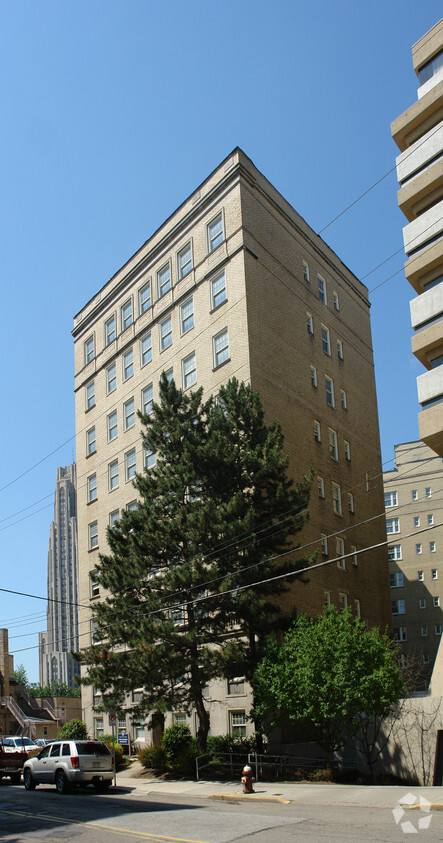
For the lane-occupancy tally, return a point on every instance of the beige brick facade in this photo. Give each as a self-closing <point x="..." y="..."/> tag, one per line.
<point x="274" y="306"/>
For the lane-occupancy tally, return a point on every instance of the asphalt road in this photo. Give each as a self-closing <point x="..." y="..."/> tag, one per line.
<point x="128" y="816"/>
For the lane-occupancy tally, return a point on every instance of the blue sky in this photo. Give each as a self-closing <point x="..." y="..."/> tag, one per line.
<point x="112" y="113"/>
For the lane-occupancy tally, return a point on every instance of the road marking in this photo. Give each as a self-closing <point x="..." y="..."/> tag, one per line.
<point x="141" y="835"/>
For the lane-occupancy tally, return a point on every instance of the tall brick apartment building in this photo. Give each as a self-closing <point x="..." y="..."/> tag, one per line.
<point x="235" y="282"/>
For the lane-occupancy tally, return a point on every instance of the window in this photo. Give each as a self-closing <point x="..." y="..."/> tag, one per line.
<point x="132" y="506"/>
<point x="89" y="350"/>
<point x="113" y="475"/>
<point x="110" y="333"/>
<point x="310" y="323"/>
<point x="148" y="458"/>
<point x="128" y="364"/>
<point x="333" y="445"/>
<point x="324" y="544"/>
<point x="344" y="399"/>
<point x="418" y="548"/>
<point x="114" y="517"/>
<point x="186" y="316"/>
<point x="163" y="280"/>
<point x="144" y="298"/>
<point x="220" y="348"/>
<point x="91" y="488"/>
<point x="430" y="519"/>
<point x="416" y="521"/>
<point x="93" y="535"/>
<point x="326" y="340"/>
<point x="357" y="610"/>
<point x="422" y="603"/>
<point x="94" y="588"/>
<point x="329" y="386"/>
<point x="432" y="549"/>
<point x="236" y="685"/>
<point x="354" y="555"/>
<point x="398" y="607"/>
<point x="165" y="333"/>
<point x="394" y="552"/>
<point x="414" y="495"/>
<point x="317" y="431"/>
<point x="90" y="395"/>
<point x="215" y="233"/>
<point x="425" y="658"/>
<point x="130" y="464"/>
<point x="189" y="371"/>
<point x="347" y="449"/>
<point x="400" y="633"/>
<point x="179" y="717"/>
<point x="169" y="374"/>
<point x="146" y="349"/>
<point x="420" y="576"/>
<point x="306" y="274"/>
<point x="424" y="631"/>
<point x="126" y="314"/>
<point x="351" y="507"/>
<point x="184" y="261"/>
<point x="340" y="349"/>
<point x="390" y="498"/>
<point x="434" y="574"/>
<point x="336" y="499"/>
<point x="313" y="371"/>
<point x="327" y="598"/>
<point x="322" y="290"/>
<point x="147" y="399"/>
<point x="336" y="300"/>
<point x="111" y="378"/>
<point x="436" y="602"/>
<point x="91" y="444"/>
<point x="396" y="579"/>
<point x="342" y="600"/>
<point x="112" y="426"/>
<point x="321" y="487"/>
<point x="237" y="723"/>
<point x="392" y="525"/>
<point x="98" y="727"/>
<point x="128" y="414"/>
<point x="428" y="492"/>
<point x="339" y="551"/>
<point x="218" y="290"/>
<point x="437" y="629"/>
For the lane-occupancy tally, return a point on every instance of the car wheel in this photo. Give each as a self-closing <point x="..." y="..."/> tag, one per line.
<point x="102" y="787"/>
<point x="60" y="782"/>
<point x="28" y="780"/>
<point x="15" y="778"/>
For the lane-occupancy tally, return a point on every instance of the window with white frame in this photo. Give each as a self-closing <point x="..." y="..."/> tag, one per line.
<point x="313" y="372"/>
<point x="131" y="506"/>
<point x="218" y="290"/>
<point x="237" y="723"/>
<point x="329" y="387"/>
<point x="220" y="348"/>
<point x="396" y="579"/>
<point x="114" y="517"/>
<point x="236" y="686"/>
<point x="420" y="576"/>
<point x="165" y="333"/>
<point x="147" y="399"/>
<point x="179" y="717"/>
<point x="327" y="598"/>
<point x="322" y="290"/>
<point x="306" y="273"/>
<point x="394" y="552"/>
<point x="434" y="574"/>
<point x="351" y="507"/>
<point x="144" y="298"/>
<point x="340" y="349"/>
<point x="324" y="544"/>
<point x="430" y="519"/>
<point x="138" y="730"/>
<point x="347" y="450"/>
<point x="163" y="280"/>
<point x="94" y="588"/>
<point x="435" y="602"/>
<point x="93" y="535"/>
<point x="339" y="551"/>
<point x="187" y="315"/>
<point x="326" y="340"/>
<point x="342" y="600"/>
<point x="416" y="520"/>
<point x="333" y="444"/>
<point x="391" y="499"/>
<point x="129" y="414"/>
<point x="98" y="728"/>
<point x="392" y="525"/>
<point x="146" y="349"/>
<point x="91" y="442"/>
<point x="357" y="608"/>
<point x="425" y="658"/>
<point x="428" y="492"/>
<point x="344" y="399"/>
<point x="336" y="499"/>
<point x="400" y="633"/>
<point x="130" y="464"/>
<point x="336" y="300"/>
<point x="424" y="631"/>
<point x="113" y="475"/>
<point x="91" y="488"/>
<point x="89" y="350"/>
<point x="354" y="556"/>
<point x="112" y="425"/>
<point x="110" y="332"/>
<point x="184" y="261"/>
<point x="128" y="364"/>
<point x="321" y="487"/>
<point x="90" y="395"/>
<point x="310" y="323"/>
<point x="432" y="547"/>
<point x="111" y="378"/>
<point x="215" y="232"/>
<point x="96" y="635"/>
<point x="398" y="607"/>
<point x="189" y="371"/>
<point x="418" y="548"/>
<point x="148" y="458"/>
<point x="317" y="431"/>
<point x="126" y="314"/>
<point x="414" y="495"/>
<point x="437" y="629"/>
<point x="422" y="603"/>
<point x="169" y="374"/>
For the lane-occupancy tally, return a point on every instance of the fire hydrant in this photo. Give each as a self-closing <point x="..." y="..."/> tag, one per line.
<point x="247" y="780"/>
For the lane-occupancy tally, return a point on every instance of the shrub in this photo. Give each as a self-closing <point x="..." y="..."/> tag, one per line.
<point x="153" y="758"/>
<point x="228" y="743"/>
<point x="321" y="776"/>
<point x="74" y="730"/>
<point x="120" y="758"/>
<point x="184" y="762"/>
<point x="175" y="740"/>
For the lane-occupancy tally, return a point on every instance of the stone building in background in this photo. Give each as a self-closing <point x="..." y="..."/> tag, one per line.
<point x="56" y="663"/>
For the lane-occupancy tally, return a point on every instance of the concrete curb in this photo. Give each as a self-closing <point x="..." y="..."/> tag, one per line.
<point x="224" y="797"/>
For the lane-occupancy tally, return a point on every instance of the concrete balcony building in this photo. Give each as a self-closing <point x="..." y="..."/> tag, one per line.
<point x="418" y="133"/>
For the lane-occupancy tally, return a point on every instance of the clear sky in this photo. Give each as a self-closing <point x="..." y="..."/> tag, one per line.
<point x="112" y="112"/>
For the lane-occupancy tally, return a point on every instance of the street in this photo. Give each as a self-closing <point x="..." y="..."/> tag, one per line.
<point x="129" y="814"/>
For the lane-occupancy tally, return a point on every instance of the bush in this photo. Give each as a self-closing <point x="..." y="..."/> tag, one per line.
<point x="228" y="743"/>
<point x="175" y="741"/>
<point x="74" y="730"/>
<point x="120" y="758"/>
<point x="153" y="758"/>
<point x="184" y="763"/>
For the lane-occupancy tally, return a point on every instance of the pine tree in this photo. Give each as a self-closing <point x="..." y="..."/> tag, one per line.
<point x="213" y="511"/>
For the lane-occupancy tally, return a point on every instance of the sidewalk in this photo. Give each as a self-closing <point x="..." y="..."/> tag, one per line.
<point x="371" y="796"/>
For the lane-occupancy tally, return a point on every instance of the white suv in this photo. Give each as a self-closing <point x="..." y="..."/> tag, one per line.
<point x="65" y="763"/>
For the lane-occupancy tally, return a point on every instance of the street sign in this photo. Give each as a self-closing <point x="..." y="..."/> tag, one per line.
<point x="123" y="738"/>
<point x="112" y="718"/>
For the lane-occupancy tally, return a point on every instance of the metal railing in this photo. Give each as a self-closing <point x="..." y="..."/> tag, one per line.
<point x="229" y="760"/>
<point x="10" y="703"/>
<point x="277" y="766"/>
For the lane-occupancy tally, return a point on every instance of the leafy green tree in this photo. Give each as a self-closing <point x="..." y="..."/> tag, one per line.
<point x="73" y="730"/>
<point x="213" y="511"/>
<point x="55" y="689"/>
<point x="21" y="676"/>
<point x="331" y="672"/>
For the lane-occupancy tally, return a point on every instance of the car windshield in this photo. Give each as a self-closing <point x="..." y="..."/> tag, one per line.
<point x="24" y="742"/>
<point x="92" y="748"/>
